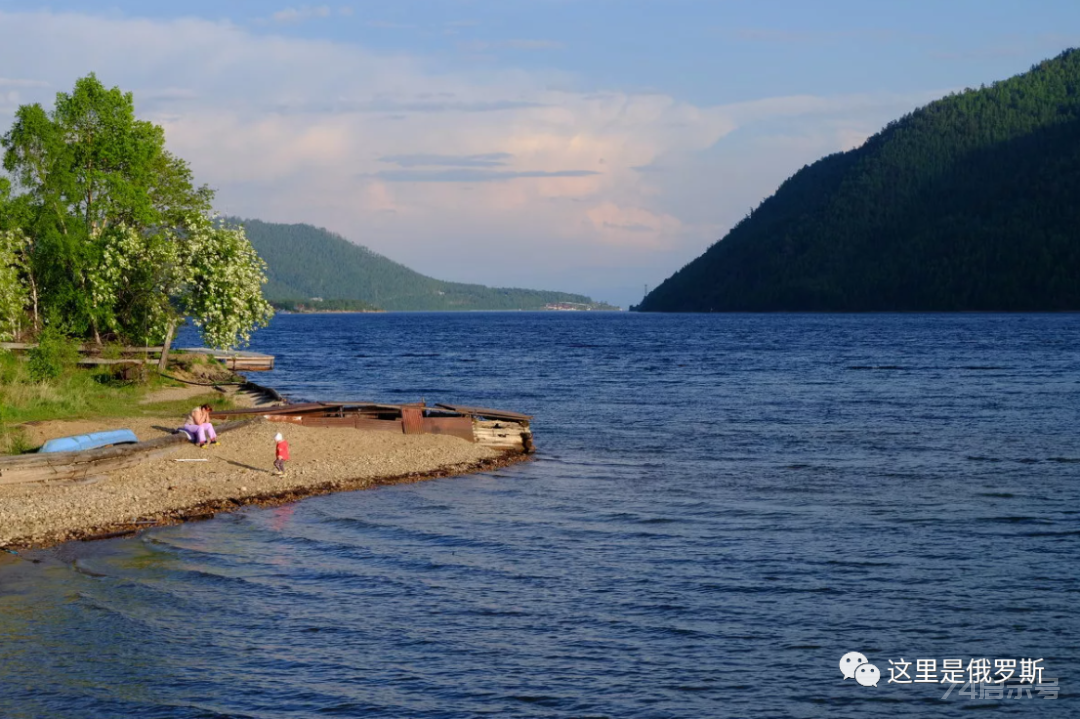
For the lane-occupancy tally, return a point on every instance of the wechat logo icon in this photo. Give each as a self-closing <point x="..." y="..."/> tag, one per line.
<point x="854" y="665"/>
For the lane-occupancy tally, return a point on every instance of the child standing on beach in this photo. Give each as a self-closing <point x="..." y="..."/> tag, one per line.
<point x="281" y="453"/>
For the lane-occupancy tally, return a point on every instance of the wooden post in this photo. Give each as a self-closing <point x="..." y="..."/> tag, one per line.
<point x="164" y="361"/>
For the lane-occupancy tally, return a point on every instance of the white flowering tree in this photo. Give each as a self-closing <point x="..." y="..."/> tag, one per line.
<point x="222" y="289"/>
<point x="13" y="289"/>
<point x="118" y="239"/>
<point x="149" y="282"/>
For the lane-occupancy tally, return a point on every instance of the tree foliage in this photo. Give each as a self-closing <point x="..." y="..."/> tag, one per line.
<point x="966" y="204"/>
<point x="13" y="295"/>
<point x="118" y="239"/>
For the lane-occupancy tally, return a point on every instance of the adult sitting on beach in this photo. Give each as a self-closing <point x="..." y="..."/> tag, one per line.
<point x="198" y="426"/>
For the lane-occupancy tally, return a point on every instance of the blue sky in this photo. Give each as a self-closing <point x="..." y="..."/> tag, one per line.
<point x="583" y="145"/>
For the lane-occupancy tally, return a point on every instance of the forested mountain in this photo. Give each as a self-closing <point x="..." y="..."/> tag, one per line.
<point x="970" y="203"/>
<point x="306" y="262"/>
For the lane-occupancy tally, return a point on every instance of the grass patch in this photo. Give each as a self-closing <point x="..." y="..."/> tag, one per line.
<point x="13" y="440"/>
<point x="183" y="406"/>
<point x="78" y="393"/>
<point x="75" y="394"/>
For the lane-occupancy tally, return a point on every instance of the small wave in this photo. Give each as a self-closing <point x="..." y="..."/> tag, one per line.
<point x="544" y="701"/>
<point x="1021" y="460"/>
<point x="491" y="612"/>
<point x="693" y="688"/>
<point x="1015" y="520"/>
<point x="77" y="566"/>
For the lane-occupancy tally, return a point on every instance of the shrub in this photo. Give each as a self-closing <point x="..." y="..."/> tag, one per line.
<point x="11" y="368"/>
<point x="112" y="350"/>
<point x="54" y="353"/>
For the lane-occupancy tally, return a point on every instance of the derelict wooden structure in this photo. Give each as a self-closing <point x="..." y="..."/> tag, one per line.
<point x="237" y="361"/>
<point x="498" y="429"/>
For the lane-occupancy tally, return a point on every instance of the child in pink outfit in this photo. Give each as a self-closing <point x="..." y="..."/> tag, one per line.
<point x="281" y="453"/>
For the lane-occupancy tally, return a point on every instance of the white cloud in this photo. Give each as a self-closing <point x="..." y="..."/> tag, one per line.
<point x="388" y="25"/>
<point x="464" y="175"/>
<point x="16" y="82"/>
<point x="519" y="44"/>
<point x="300" y="14"/>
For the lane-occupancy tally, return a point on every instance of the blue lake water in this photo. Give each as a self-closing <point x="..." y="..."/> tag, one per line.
<point x="721" y="507"/>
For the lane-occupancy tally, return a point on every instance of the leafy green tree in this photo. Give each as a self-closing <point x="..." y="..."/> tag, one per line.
<point x="119" y="239"/>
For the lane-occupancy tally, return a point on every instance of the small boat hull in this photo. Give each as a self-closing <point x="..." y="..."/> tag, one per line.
<point x="82" y="442"/>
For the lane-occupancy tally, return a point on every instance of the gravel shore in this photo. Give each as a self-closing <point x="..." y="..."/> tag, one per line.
<point x="238" y="471"/>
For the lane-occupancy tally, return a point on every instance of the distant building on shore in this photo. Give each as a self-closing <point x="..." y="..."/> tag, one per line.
<point x="577" y="307"/>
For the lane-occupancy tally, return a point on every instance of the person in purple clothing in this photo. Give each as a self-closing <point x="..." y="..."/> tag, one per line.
<point x="198" y="426"/>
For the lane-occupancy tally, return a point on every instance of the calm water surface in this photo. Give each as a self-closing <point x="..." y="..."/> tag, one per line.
<point x="722" y="507"/>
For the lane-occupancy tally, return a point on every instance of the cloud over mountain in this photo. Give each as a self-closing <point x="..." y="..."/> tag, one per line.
<point x="492" y="171"/>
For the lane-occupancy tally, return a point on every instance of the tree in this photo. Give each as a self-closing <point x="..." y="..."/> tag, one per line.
<point x="118" y="236"/>
<point x="223" y="292"/>
<point x="13" y="295"/>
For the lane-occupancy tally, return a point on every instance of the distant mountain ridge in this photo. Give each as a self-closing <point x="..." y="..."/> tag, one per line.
<point x="306" y="261"/>
<point x="970" y="203"/>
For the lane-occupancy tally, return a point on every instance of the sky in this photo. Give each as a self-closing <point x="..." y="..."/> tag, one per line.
<point x="591" y="146"/>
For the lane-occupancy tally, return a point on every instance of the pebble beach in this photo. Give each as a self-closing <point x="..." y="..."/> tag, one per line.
<point x="193" y="483"/>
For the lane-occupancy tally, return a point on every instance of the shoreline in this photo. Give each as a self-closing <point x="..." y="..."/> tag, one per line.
<point x="189" y="484"/>
<point x="208" y="509"/>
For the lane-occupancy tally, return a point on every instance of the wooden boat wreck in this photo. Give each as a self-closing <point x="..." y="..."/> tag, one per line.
<point x="498" y="429"/>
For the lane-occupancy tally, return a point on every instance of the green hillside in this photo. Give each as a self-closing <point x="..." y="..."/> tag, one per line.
<point x="306" y="261"/>
<point x="969" y="203"/>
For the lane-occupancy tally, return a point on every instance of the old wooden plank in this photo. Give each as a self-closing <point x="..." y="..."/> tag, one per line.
<point x="103" y="361"/>
<point x="82" y="348"/>
<point x="486" y="412"/>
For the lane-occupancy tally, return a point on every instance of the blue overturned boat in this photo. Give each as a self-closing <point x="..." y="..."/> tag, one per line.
<point x="81" y="442"/>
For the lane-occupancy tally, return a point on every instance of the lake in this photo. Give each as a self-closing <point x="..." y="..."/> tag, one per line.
<point x="721" y="508"/>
